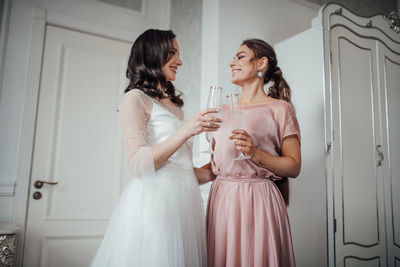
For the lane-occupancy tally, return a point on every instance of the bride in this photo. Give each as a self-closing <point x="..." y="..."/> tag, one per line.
<point x="158" y="219"/>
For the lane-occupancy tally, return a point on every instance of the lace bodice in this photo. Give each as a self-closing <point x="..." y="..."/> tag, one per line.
<point x="147" y="122"/>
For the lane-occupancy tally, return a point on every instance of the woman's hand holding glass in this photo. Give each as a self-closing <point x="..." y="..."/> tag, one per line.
<point x="202" y="121"/>
<point x="243" y="142"/>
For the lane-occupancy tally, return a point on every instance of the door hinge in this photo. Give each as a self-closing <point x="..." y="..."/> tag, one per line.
<point x="330" y="54"/>
<point x="334" y="225"/>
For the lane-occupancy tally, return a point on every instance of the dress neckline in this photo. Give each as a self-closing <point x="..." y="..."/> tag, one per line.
<point x="165" y="108"/>
<point x="249" y="106"/>
<point x="159" y="104"/>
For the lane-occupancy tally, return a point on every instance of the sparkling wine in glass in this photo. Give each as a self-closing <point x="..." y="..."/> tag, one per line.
<point x="214" y="102"/>
<point x="235" y="118"/>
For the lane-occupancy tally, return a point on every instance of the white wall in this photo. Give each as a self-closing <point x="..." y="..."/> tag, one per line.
<point x="270" y="20"/>
<point x="186" y="22"/>
<point x="186" y="19"/>
<point x="300" y="58"/>
<point x="209" y="67"/>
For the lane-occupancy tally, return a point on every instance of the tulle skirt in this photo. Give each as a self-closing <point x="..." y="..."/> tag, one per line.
<point x="157" y="221"/>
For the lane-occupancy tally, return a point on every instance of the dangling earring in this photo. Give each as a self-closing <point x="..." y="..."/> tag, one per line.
<point x="260" y="74"/>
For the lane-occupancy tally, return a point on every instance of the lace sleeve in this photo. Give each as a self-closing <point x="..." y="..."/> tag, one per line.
<point x="135" y="114"/>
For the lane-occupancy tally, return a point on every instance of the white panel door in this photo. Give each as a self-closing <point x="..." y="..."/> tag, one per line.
<point x="389" y="73"/>
<point x="358" y="178"/>
<point x="78" y="144"/>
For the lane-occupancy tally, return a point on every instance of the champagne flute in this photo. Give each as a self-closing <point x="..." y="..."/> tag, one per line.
<point x="214" y="102"/>
<point x="235" y="118"/>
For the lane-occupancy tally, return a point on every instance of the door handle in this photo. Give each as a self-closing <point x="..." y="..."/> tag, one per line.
<point x="39" y="183"/>
<point x="380" y="155"/>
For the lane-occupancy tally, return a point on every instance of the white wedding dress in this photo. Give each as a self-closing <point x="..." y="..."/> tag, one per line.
<point x="159" y="218"/>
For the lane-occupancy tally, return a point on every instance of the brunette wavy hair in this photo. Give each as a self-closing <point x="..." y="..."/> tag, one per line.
<point x="149" y="53"/>
<point x="279" y="90"/>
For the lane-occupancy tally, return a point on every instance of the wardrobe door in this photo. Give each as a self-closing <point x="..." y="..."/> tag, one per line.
<point x="358" y="177"/>
<point x="389" y="80"/>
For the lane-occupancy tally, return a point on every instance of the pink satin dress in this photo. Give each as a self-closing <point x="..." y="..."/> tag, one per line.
<point x="247" y="221"/>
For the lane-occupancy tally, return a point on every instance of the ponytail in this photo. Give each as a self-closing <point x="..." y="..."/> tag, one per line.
<point x="280" y="89"/>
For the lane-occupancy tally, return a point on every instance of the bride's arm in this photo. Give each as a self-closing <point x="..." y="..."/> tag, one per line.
<point x="135" y="115"/>
<point x="204" y="174"/>
<point x="163" y="151"/>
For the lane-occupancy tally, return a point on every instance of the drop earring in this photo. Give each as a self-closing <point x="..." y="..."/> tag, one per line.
<point x="259" y="74"/>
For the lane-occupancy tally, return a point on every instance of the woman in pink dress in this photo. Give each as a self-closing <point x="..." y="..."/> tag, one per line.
<point x="247" y="221"/>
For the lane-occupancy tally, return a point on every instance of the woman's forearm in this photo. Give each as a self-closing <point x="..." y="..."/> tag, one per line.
<point x="204" y="174"/>
<point x="163" y="151"/>
<point x="284" y="166"/>
<point x="287" y="165"/>
<point x="196" y="125"/>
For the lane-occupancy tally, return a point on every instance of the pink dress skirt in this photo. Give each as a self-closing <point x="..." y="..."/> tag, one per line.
<point x="247" y="221"/>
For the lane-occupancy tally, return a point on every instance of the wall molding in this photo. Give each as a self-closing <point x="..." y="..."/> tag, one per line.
<point x="7" y="187"/>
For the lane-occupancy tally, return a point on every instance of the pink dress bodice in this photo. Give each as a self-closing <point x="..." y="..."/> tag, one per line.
<point x="268" y="124"/>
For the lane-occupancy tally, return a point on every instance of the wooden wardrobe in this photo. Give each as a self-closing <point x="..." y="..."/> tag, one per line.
<point x="345" y="76"/>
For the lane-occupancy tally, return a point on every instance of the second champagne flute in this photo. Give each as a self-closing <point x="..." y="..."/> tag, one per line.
<point x="214" y="102"/>
<point x="235" y="118"/>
